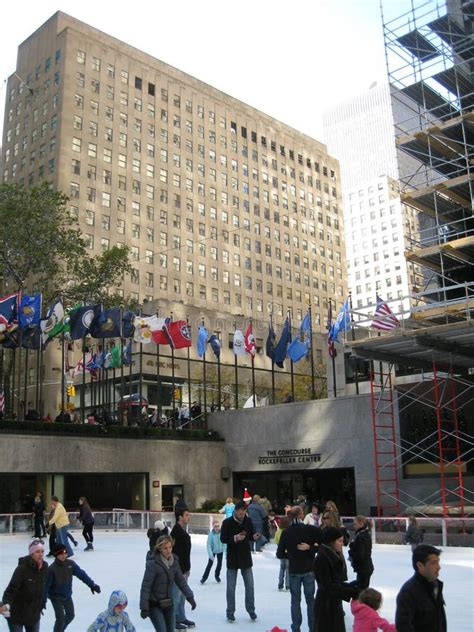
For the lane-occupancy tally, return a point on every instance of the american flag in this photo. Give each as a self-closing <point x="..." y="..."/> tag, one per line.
<point x="384" y="318"/>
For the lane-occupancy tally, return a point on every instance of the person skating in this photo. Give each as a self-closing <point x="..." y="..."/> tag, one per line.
<point x="38" y="515"/>
<point x="360" y="552"/>
<point x="237" y="532"/>
<point x="366" y="617"/>
<point x="114" y="619"/>
<point x="258" y="516"/>
<point x="420" y="603"/>
<point x="182" y="549"/>
<point x="215" y="548"/>
<point x="59" y="586"/>
<point x="60" y="520"/>
<point x="162" y="572"/>
<point x="87" y="518"/>
<point x="414" y="535"/>
<point x="228" y="508"/>
<point x="159" y="528"/>
<point x="23" y="599"/>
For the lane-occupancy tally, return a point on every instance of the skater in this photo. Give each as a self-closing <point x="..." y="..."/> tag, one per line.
<point x="299" y="544"/>
<point x="360" y="552"/>
<point x="312" y="517"/>
<point x="182" y="549"/>
<point x="284" y="575"/>
<point x="162" y="572"/>
<point x="159" y="529"/>
<point x="420" y="603"/>
<point x="331" y="577"/>
<point x="87" y="518"/>
<point x="114" y="619"/>
<point x="38" y="515"/>
<point x="60" y="520"/>
<point x="258" y="516"/>
<point x="366" y="617"/>
<point x="23" y="599"/>
<point x="414" y="535"/>
<point x="331" y="519"/>
<point x="59" y="586"/>
<point x="228" y="508"/>
<point x="237" y="532"/>
<point x="215" y="548"/>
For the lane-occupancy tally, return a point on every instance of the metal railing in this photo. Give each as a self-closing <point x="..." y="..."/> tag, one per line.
<point x="390" y="530"/>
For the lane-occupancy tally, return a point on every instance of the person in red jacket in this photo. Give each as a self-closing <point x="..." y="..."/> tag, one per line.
<point x="366" y="617"/>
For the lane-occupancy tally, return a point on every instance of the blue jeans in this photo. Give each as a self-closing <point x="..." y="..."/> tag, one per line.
<point x="163" y="620"/>
<point x="247" y="576"/>
<point x="258" y="544"/>
<point x="309" y="586"/>
<point x="284" y="576"/>
<point x="61" y="537"/>
<point x="64" y="612"/>
<point x="178" y="601"/>
<point x="16" y="627"/>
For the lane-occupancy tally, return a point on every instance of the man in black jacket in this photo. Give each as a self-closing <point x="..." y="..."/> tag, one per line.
<point x="420" y="603"/>
<point x="182" y="549"/>
<point x="237" y="532"/>
<point x="298" y="543"/>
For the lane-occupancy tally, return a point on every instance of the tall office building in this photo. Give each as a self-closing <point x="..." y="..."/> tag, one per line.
<point x="223" y="207"/>
<point x="359" y="132"/>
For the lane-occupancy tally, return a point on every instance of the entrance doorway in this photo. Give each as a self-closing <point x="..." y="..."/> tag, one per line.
<point x="169" y="496"/>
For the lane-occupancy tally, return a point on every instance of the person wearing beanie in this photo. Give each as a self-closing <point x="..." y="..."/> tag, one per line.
<point x="59" y="586"/>
<point x="159" y="528"/>
<point x="23" y="599"/>
<point x="331" y="577"/>
<point x="237" y="532"/>
<point x="114" y="619"/>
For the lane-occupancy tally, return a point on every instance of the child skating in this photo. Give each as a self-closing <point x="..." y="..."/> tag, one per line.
<point x="114" y="619"/>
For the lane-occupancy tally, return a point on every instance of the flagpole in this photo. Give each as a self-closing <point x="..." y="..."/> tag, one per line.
<point x="311" y="354"/>
<point x="219" y="395"/>
<point x="253" y="372"/>
<point x="273" y="361"/>
<point x="291" y="362"/>
<point x="189" y="373"/>
<point x="40" y="376"/>
<point x="105" y="380"/>
<point x="236" y="373"/>
<point x="38" y="351"/>
<point x="159" y="409"/>
<point x="83" y="389"/>
<point x="204" y="379"/>
<point x="25" y="383"/>
<point x="122" y="376"/>
<point x="12" y="384"/>
<point x="18" y="407"/>
<point x="63" y="386"/>
<point x="173" y="400"/>
<point x="130" y="375"/>
<point x="334" y="386"/>
<point x="140" y="380"/>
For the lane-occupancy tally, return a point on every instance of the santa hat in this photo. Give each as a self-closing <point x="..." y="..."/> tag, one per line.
<point x="247" y="497"/>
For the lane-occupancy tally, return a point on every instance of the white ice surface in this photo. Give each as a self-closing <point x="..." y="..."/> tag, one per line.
<point x="118" y="563"/>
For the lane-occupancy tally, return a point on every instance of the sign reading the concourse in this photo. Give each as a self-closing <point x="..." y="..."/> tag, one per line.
<point x="288" y="456"/>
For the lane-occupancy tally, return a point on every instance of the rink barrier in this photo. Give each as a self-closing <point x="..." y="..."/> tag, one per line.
<point x="437" y="531"/>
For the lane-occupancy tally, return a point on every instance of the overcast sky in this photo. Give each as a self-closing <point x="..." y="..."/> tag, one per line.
<point x="292" y="60"/>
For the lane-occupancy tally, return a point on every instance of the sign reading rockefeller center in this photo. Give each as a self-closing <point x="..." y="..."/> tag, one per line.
<point x="287" y="456"/>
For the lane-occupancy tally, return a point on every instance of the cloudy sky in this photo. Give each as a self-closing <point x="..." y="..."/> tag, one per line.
<point x="292" y="60"/>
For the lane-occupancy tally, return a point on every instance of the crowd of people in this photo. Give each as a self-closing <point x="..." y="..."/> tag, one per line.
<point x="310" y="547"/>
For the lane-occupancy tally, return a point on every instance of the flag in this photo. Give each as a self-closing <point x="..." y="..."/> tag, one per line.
<point x="342" y="322"/>
<point x="31" y="337"/>
<point x="384" y="318"/>
<point x="249" y="339"/>
<point x="178" y="333"/>
<point x="115" y="359"/>
<point x="8" y="311"/>
<point x="107" y="360"/>
<point x="238" y="343"/>
<point x="53" y="324"/>
<point x="270" y="344"/>
<point x="30" y="310"/>
<point x="127" y="322"/>
<point x="106" y="324"/>
<point x="127" y="353"/>
<point x="331" y="348"/>
<point x="301" y="343"/>
<point x="2" y="402"/>
<point x="215" y="345"/>
<point x="80" y="320"/>
<point x="201" y="341"/>
<point x="160" y="333"/>
<point x="9" y="339"/>
<point x="145" y="326"/>
<point x="282" y="344"/>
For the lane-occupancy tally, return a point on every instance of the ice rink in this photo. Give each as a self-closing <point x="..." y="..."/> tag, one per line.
<point x="119" y="558"/>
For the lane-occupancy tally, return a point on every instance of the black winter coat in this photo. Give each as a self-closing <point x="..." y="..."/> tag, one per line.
<point x="85" y="515"/>
<point x="238" y="553"/>
<point x="360" y="552"/>
<point x="182" y="547"/>
<point x="331" y="576"/>
<point x="300" y="562"/>
<point x="158" y="581"/>
<point x="38" y="509"/>
<point x="25" y="592"/>
<point x="418" y="610"/>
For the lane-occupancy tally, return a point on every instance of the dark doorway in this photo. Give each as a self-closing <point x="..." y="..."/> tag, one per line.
<point x="107" y="491"/>
<point x="280" y="487"/>
<point x="169" y="494"/>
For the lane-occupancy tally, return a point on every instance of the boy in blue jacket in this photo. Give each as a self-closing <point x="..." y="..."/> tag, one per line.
<point x="59" y="586"/>
<point x="214" y="548"/>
